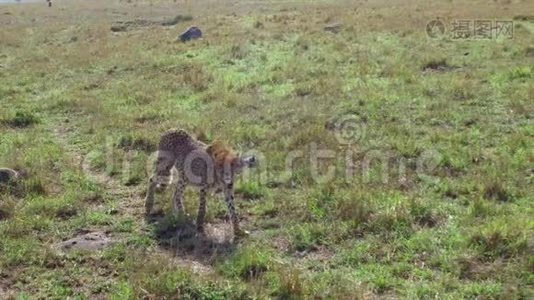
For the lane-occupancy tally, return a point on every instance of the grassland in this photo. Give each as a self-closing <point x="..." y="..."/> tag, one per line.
<point x="438" y="202"/>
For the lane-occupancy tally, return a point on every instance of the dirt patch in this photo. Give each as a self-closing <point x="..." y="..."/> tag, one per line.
<point x="6" y="293"/>
<point x="282" y="244"/>
<point x="320" y="253"/>
<point x="121" y="26"/>
<point x="20" y="120"/>
<point x="438" y="66"/>
<point x="177" y="19"/>
<point x="496" y="191"/>
<point x="91" y="241"/>
<point x="333" y="28"/>
<point x="472" y="268"/>
<point x="182" y="240"/>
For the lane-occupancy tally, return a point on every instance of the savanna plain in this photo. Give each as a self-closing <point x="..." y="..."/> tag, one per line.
<point x="394" y="162"/>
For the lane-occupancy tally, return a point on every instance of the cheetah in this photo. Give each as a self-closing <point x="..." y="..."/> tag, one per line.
<point x="204" y="166"/>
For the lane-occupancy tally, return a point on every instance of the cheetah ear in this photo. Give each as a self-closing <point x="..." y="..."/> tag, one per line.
<point x="215" y="147"/>
<point x="209" y="150"/>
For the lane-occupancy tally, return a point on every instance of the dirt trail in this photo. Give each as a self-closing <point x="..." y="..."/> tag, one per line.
<point x="112" y="186"/>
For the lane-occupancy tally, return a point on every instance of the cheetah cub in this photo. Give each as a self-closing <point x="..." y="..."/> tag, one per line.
<point x="204" y="166"/>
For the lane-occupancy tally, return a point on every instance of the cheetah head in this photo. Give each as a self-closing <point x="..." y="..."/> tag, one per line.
<point x="233" y="166"/>
<point x="229" y="164"/>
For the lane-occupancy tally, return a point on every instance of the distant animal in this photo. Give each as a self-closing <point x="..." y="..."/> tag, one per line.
<point x="191" y="33"/>
<point x="204" y="166"/>
<point x="8" y="176"/>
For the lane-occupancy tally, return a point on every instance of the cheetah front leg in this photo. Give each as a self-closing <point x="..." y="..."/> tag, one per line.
<point x="201" y="209"/>
<point x="178" y="196"/>
<point x="229" y="197"/>
<point x="149" y="199"/>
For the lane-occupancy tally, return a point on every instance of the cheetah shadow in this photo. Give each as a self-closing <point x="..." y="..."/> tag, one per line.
<point x="179" y="236"/>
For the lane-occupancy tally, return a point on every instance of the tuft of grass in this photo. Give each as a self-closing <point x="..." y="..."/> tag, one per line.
<point x="357" y="211"/>
<point x="7" y="207"/>
<point x="495" y="190"/>
<point x="289" y="284"/>
<point x="497" y="242"/>
<point x="249" y="263"/>
<point x="34" y="186"/>
<point x="251" y="190"/>
<point x="21" y="119"/>
<point x="520" y="73"/>
<point x="196" y="77"/>
<point x="129" y="142"/>
<point x="424" y="214"/>
<point x="159" y="280"/>
<point x="308" y="236"/>
<point x="393" y="222"/>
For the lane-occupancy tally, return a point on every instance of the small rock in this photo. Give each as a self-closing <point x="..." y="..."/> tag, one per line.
<point x="191" y="33"/>
<point x="8" y="175"/>
<point x="333" y="28"/>
<point x="119" y="28"/>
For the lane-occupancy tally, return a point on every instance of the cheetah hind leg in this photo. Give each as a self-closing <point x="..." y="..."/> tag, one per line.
<point x="201" y="210"/>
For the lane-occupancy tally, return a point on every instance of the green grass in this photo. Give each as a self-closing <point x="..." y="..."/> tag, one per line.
<point x="438" y="203"/>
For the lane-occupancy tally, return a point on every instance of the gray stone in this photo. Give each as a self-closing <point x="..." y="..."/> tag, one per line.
<point x="8" y="176"/>
<point x="191" y="33"/>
